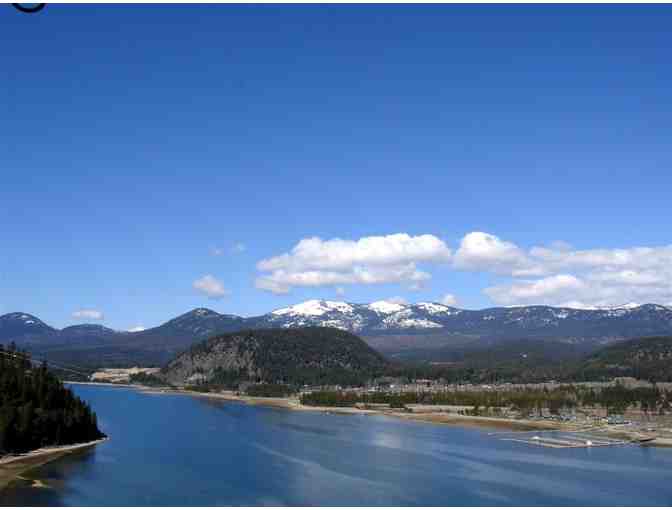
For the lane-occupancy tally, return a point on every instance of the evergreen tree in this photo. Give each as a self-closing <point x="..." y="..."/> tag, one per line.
<point x="36" y="410"/>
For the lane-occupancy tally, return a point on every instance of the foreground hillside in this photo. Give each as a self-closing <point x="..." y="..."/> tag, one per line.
<point x="277" y="356"/>
<point x="36" y="410"/>
<point x="422" y="331"/>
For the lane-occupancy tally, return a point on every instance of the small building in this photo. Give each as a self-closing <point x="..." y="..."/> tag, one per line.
<point x="617" y="419"/>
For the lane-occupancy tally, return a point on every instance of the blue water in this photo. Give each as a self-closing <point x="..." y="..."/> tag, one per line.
<point x="170" y="450"/>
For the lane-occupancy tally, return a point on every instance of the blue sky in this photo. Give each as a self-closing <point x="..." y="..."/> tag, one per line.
<point x="146" y="149"/>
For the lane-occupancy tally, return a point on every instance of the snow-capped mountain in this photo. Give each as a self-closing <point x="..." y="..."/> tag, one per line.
<point x="336" y="314"/>
<point x="87" y="330"/>
<point x="377" y="316"/>
<point x="387" y="326"/>
<point x="22" y="325"/>
<point x="383" y="317"/>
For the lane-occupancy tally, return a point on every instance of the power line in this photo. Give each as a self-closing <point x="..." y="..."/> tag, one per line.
<point x="38" y="360"/>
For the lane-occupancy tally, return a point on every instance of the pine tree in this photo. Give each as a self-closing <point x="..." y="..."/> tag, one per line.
<point x="36" y="410"/>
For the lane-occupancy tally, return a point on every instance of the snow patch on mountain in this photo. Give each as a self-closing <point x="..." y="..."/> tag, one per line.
<point x="315" y="307"/>
<point x="434" y="308"/>
<point x="385" y="307"/>
<point x="401" y="322"/>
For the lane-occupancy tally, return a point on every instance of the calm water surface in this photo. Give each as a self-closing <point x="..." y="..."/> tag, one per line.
<point x="169" y="450"/>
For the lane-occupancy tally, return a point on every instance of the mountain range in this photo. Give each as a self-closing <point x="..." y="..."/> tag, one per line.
<point x="423" y="331"/>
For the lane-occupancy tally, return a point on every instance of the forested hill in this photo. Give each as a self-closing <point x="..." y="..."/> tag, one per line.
<point x="298" y="356"/>
<point x="36" y="410"/>
<point x="643" y="358"/>
<point x="527" y="361"/>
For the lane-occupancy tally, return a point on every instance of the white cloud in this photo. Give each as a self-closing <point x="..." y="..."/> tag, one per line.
<point x="340" y="291"/>
<point x="210" y="286"/>
<point x="555" y="274"/>
<point x="553" y="288"/>
<point x="449" y="300"/>
<point x="397" y="300"/>
<point x="235" y="248"/>
<point x="636" y="258"/>
<point x="480" y="251"/>
<point x="136" y="329"/>
<point x="88" y="314"/>
<point x="590" y="278"/>
<point x="343" y="254"/>
<point x="416" y="286"/>
<point x="238" y="248"/>
<point x="281" y="281"/>
<point x="314" y="262"/>
<point x="589" y="291"/>
<point x="627" y="277"/>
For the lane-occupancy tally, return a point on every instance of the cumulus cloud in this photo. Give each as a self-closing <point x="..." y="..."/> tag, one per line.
<point x="238" y="248"/>
<point x="552" y="288"/>
<point x="588" y="291"/>
<point x="343" y="254"/>
<point x="210" y="286"/>
<point x="136" y="329"/>
<point x="417" y="285"/>
<point x="559" y="274"/>
<point x="314" y="262"/>
<point x="627" y="277"/>
<point x="554" y="274"/>
<point x="235" y="248"/>
<point x="449" y="300"/>
<point x="480" y="251"/>
<point x="281" y="281"/>
<point x="634" y="259"/>
<point x="88" y="314"/>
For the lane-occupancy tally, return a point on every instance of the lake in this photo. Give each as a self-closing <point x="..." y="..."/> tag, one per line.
<point x="172" y="450"/>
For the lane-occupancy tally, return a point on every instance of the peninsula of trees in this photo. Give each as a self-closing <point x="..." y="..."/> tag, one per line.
<point x="36" y="410"/>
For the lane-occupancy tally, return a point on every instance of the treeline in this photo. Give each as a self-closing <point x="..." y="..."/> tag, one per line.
<point x="36" y="410"/>
<point x="648" y="359"/>
<point x="147" y="380"/>
<point x="504" y="373"/>
<point x="562" y="372"/>
<point x="520" y="399"/>
<point x="616" y="399"/>
<point x="269" y="390"/>
<point x="534" y="361"/>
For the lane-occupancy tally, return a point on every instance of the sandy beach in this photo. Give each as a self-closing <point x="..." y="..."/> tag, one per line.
<point x="12" y="466"/>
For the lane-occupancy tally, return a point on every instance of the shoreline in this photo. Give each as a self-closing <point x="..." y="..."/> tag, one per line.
<point x="116" y="385"/>
<point x="293" y="404"/>
<point x="13" y="466"/>
<point x="435" y="418"/>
